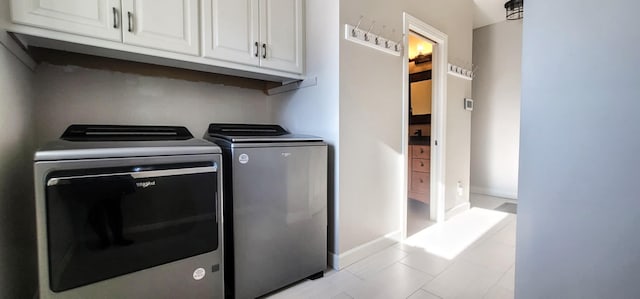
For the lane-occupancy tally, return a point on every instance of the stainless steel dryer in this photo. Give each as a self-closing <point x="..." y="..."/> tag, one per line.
<point x="275" y="207"/>
<point x="129" y="212"/>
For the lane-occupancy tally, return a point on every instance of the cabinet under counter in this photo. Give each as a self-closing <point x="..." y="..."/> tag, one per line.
<point x="419" y="172"/>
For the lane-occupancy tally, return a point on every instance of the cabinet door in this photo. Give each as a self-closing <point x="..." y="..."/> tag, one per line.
<point x="281" y="31"/>
<point x="231" y="30"/>
<point x="170" y="25"/>
<point x="93" y="18"/>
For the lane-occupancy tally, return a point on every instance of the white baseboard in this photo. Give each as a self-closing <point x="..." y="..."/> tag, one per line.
<point x="457" y="210"/>
<point x="494" y="192"/>
<point x="351" y="256"/>
<point x="334" y="260"/>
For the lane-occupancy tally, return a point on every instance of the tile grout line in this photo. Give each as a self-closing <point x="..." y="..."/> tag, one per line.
<point x="434" y="276"/>
<point x="497" y="282"/>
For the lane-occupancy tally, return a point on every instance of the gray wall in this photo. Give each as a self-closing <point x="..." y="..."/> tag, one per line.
<point x="357" y="107"/>
<point x="314" y="110"/>
<point x="371" y="117"/>
<point x="18" y="260"/>
<point x="579" y="205"/>
<point x="70" y="94"/>
<point x="495" y="121"/>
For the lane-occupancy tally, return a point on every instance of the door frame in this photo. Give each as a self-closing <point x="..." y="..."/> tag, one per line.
<point x="438" y="117"/>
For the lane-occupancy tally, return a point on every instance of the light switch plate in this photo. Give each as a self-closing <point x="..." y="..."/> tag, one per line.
<point x="468" y="104"/>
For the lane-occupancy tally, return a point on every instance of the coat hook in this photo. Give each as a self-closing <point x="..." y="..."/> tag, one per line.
<point x="398" y="43"/>
<point x="353" y="32"/>
<point x="366" y="35"/>
<point x="386" y="43"/>
<point x="381" y="33"/>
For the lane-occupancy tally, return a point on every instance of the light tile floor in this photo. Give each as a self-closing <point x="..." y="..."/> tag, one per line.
<point x="484" y="270"/>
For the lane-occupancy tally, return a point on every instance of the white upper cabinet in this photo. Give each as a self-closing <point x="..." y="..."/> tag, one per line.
<point x="93" y="18"/>
<point x="231" y="30"/>
<point x="170" y="25"/>
<point x="261" y="39"/>
<point x="267" y="33"/>
<point x="281" y="33"/>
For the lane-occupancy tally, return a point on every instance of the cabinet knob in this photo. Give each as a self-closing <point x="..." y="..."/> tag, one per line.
<point x="421" y="181"/>
<point x="421" y="150"/>
<point x="421" y="164"/>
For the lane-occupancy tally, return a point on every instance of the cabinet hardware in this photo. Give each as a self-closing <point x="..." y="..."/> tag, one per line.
<point x="257" y="48"/>
<point x="264" y="51"/>
<point x="421" y="181"/>
<point x="421" y="151"/>
<point x="115" y="18"/>
<point x="421" y="164"/>
<point x="130" y="15"/>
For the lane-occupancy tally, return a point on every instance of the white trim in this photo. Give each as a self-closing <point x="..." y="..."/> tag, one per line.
<point x="463" y="207"/>
<point x="494" y="192"/>
<point x="438" y="117"/>
<point x="13" y="47"/>
<point x="334" y="260"/>
<point x="344" y="260"/>
<point x="291" y="86"/>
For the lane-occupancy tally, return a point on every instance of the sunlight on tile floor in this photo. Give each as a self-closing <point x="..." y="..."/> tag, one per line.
<point x="448" y="239"/>
<point x="485" y="269"/>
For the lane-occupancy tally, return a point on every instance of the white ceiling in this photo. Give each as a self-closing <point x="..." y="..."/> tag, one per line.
<point x="488" y="12"/>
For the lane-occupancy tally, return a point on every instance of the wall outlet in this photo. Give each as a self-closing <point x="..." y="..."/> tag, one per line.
<point x="460" y="189"/>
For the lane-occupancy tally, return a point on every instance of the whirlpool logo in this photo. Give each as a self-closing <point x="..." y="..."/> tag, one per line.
<point x="146" y="184"/>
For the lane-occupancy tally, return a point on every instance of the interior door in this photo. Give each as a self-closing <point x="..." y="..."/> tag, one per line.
<point x="170" y="25"/>
<point x="231" y="30"/>
<point x="281" y="32"/>
<point x="93" y="18"/>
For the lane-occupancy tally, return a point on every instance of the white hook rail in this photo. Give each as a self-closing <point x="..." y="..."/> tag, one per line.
<point x="460" y="72"/>
<point x="372" y="40"/>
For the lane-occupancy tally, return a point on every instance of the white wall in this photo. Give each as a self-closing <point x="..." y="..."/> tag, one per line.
<point x="495" y="121"/>
<point x="70" y="94"/>
<point x="579" y="205"/>
<point x="314" y="110"/>
<point x="18" y="278"/>
<point x="371" y="117"/>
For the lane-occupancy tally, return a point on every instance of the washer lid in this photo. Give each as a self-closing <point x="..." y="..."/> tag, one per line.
<point x="110" y="141"/>
<point x="245" y="133"/>
<point x="125" y="133"/>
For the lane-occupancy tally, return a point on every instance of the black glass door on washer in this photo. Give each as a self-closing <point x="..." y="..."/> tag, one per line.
<point x="104" y="223"/>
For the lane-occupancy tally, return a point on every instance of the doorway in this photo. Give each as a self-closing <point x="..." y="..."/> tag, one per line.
<point x="420" y="51"/>
<point x="424" y="120"/>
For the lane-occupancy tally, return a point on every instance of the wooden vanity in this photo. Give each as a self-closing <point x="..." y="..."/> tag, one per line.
<point x="419" y="172"/>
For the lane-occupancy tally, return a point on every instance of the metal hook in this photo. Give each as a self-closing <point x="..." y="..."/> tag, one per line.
<point x="381" y="33"/>
<point x="386" y="43"/>
<point x="398" y="43"/>
<point x="353" y="31"/>
<point x="366" y="35"/>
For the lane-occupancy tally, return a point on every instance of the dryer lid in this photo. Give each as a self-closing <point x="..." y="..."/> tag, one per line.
<point x="256" y="133"/>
